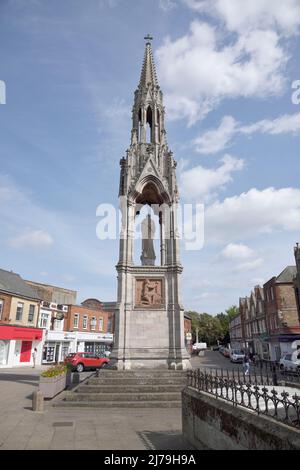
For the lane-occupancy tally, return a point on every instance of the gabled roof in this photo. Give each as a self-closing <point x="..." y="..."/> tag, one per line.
<point x="12" y="283"/>
<point x="148" y="74"/>
<point x="287" y="275"/>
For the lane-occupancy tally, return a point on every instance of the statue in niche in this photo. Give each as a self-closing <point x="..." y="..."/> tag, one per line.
<point x="148" y="230"/>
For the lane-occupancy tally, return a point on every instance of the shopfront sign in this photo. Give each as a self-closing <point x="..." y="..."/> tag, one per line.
<point x="23" y="334"/>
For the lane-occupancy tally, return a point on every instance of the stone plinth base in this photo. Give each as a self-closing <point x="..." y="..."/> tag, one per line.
<point x="150" y="359"/>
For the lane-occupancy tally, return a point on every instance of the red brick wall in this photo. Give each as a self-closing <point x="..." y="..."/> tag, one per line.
<point x="90" y="313"/>
<point x="6" y="307"/>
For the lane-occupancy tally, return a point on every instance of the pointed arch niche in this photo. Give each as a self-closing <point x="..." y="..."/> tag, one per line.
<point x="149" y="126"/>
<point x="151" y="200"/>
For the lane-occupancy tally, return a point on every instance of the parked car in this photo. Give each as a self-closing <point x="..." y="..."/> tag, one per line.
<point x="83" y="361"/>
<point x="286" y="363"/>
<point x="221" y="349"/>
<point x="236" y="355"/>
<point x="226" y="352"/>
<point x="199" y="347"/>
<point x="216" y="348"/>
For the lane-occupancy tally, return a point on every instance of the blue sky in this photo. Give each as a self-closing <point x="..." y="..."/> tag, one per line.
<point x="70" y="70"/>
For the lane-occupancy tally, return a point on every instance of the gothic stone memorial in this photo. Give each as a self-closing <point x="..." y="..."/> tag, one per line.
<point x="149" y="330"/>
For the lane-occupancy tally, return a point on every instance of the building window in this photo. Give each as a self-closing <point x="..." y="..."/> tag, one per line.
<point x="93" y="323"/>
<point x="58" y="325"/>
<point x="85" y="322"/>
<point x="31" y="313"/>
<point x="20" y="308"/>
<point x="1" y="307"/>
<point x="43" y="323"/>
<point x="100" y="324"/>
<point x="76" y="320"/>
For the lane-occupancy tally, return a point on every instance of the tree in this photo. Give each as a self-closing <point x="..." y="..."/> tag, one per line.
<point x="212" y="328"/>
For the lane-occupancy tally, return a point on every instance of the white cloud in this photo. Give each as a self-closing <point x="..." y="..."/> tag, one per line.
<point x="241" y="257"/>
<point x="249" y="265"/>
<point x="201" y="183"/>
<point x="252" y="14"/>
<point x="33" y="239"/>
<point x="253" y="213"/>
<point x="237" y="251"/>
<point x="285" y="124"/>
<point x="215" y="140"/>
<point x="204" y="66"/>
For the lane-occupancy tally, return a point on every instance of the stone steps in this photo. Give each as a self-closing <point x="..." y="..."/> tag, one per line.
<point x="137" y="381"/>
<point x="118" y="404"/>
<point x="124" y="396"/>
<point x="142" y="374"/>
<point x="103" y="388"/>
<point x="128" y="389"/>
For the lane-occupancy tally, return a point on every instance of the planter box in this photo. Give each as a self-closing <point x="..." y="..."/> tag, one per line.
<point x="51" y="386"/>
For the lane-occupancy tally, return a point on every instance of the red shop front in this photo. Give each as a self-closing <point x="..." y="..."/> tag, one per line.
<point x="17" y="345"/>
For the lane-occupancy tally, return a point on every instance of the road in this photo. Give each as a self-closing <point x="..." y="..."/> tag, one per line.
<point x="214" y="359"/>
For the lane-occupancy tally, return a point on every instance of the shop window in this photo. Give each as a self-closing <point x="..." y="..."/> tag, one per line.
<point x="1" y="308"/>
<point x="20" y="308"/>
<point x="31" y="313"/>
<point x="4" y="346"/>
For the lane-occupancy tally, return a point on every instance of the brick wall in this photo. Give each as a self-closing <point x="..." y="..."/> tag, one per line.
<point x="83" y="311"/>
<point x="6" y="307"/>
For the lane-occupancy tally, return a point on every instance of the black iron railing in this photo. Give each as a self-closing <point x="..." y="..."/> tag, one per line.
<point x="240" y="390"/>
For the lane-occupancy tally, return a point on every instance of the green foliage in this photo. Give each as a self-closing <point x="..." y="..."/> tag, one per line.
<point x="55" y="371"/>
<point x="212" y="328"/>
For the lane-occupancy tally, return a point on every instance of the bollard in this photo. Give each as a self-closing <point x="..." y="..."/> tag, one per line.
<point x="38" y="401"/>
<point x="76" y="378"/>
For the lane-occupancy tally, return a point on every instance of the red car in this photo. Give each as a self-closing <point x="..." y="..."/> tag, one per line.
<point x="81" y="361"/>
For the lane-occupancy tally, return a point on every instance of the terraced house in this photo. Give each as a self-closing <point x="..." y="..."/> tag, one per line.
<point x="281" y="313"/>
<point x="268" y="323"/>
<point x="19" y="312"/>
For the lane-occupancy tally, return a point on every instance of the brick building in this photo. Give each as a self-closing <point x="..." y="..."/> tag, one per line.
<point x="236" y="330"/>
<point x="19" y="312"/>
<point x="259" y="327"/>
<point x="92" y="326"/>
<point x="281" y="313"/>
<point x="297" y="278"/>
<point x="52" y="319"/>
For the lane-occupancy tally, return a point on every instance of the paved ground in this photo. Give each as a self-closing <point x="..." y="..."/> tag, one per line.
<point x="107" y="429"/>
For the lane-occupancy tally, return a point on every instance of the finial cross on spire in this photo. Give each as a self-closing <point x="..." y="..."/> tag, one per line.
<point x="148" y="38"/>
